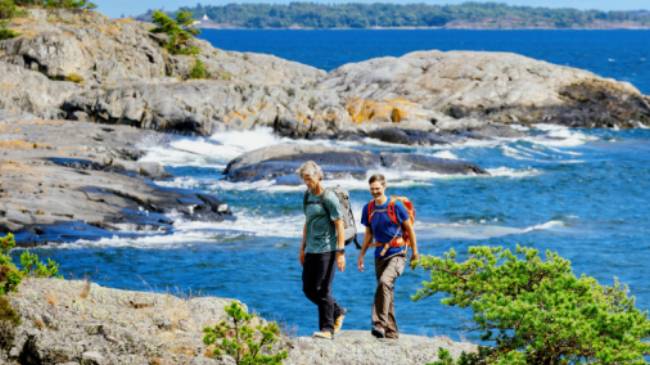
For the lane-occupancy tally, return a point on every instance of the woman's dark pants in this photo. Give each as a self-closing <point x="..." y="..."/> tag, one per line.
<point x="317" y="276"/>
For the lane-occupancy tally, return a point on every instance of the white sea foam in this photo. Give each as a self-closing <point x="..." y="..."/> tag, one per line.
<point x="519" y="127"/>
<point x="170" y="155"/>
<point x="183" y="182"/>
<point x="513" y="173"/>
<point x="553" y="155"/>
<point x="446" y="154"/>
<point x="176" y="239"/>
<point x="559" y="136"/>
<point x="252" y="224"/>
<point x="477" y="231"/>
<point x="515" y="153"/>
<point x="186" y="232"/>
<point x="215" y="151"/>
<point x="248" y="140"/>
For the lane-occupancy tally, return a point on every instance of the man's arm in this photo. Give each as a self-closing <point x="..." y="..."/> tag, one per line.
<point x="367" y="240"/>
<point x="408" y="227"/>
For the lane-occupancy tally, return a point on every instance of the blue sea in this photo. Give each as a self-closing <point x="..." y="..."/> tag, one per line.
<point x="582" y="193"/>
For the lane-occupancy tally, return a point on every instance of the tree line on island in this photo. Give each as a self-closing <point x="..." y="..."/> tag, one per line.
<point x="362" y="15"/>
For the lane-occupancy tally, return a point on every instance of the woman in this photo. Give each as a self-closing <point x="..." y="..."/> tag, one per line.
<point x="323" y="242"/>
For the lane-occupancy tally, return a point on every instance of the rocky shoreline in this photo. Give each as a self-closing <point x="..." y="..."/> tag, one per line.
<point x="78" y="322"/>
<point x="79" y="91"/>
<point x="64" y="180"/>
<point x="123" y="76"/>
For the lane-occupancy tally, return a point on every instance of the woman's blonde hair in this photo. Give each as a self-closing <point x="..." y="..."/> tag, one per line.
<point x="310" y="168"/>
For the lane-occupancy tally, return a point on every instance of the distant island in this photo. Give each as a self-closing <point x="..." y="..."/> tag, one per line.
<point x="472" y="15"/>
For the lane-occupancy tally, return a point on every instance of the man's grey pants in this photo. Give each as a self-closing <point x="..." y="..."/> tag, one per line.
<point x="383" y="309"/>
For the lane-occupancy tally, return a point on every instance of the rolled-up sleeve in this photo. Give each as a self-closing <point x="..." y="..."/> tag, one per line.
<point x="331" y="202"/>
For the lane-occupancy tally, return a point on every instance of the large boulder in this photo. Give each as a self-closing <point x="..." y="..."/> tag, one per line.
<point x="281" y="162"/>
<point x="203" y="107"/>
<point x="23" y="91"/>
<point x="487" y="86"/>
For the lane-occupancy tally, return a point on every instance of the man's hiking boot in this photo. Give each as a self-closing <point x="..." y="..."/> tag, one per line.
<point x="377" y="333"/>
<point x="391" y="336"/>
<point x="323" y="334"/>
<point x="338" y="322"/>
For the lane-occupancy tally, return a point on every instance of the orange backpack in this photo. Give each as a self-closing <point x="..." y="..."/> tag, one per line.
<point x="392" y="215"/>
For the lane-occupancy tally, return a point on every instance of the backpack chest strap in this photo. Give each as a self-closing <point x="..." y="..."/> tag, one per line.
<point x="390" y="210"/>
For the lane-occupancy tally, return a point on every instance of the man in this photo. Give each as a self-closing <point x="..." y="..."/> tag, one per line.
<point x="386" y="223"/>
<point x="323" y="244"/>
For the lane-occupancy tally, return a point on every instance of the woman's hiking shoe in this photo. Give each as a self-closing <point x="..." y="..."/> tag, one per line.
<point x="378" y="333"/>
<point x="323" y="334"/>
<point x="338" y="322"/>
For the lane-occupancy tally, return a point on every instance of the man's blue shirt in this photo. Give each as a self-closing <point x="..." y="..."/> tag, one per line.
<point x="383" y="229"/>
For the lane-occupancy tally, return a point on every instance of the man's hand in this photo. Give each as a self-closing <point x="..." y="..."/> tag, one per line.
<point x="360" y="265"/>
<point x="301" y="257"/>
<point x="414" y="260"/>
<point x="340" y="261"/>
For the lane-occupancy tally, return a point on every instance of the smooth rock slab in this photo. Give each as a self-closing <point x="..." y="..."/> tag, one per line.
<point x="361" y="348"/>
<point x="281" y="162"/>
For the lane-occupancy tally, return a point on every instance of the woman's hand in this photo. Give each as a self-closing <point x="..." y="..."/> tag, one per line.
<point x="340" y="261"/>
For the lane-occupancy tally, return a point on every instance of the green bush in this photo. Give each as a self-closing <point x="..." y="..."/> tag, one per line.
<point x="7" y="9"/>
<point x="179" y="32"/>
<point x="10" y="278"/>
<point x="58" y="4"/>
<point x="6" y="33"/>
<point x="33" y="267"/>
<point x="537" y="311"/>
<point x="199" y="71"/>
<point x="246" y="343"/>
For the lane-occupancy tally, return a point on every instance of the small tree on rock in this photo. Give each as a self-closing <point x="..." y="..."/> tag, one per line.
<point x="179" y="32"/>
<point x="537" y="311"/>
<point x="239" y="338"/>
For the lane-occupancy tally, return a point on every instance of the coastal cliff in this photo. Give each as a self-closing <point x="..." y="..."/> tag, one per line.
<point x="88" y="67"/>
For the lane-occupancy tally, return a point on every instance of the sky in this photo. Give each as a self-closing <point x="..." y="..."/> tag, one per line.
<point x="117" y="8"/>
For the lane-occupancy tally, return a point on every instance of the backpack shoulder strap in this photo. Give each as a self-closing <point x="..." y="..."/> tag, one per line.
<point x="391" y="210"/>
<point x="322" y="196"/>
<point x="371" y="210"/>
<point x="304" y="200"/>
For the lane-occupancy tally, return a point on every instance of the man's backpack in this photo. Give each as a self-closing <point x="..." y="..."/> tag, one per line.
<point x="392" y="215"/>
<point x="347" y="216"/>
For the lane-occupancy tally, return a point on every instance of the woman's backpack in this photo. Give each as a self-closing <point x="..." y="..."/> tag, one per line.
<point x="349" y="223"/>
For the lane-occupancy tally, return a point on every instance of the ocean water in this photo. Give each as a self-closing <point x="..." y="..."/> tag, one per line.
<point x="583" y="193"/>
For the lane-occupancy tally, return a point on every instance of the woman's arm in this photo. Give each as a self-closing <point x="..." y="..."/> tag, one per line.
<point x="340" y="244"/>
<point x="303" y="244"/>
